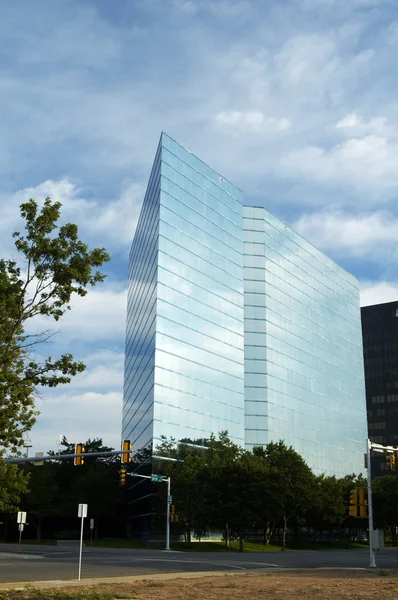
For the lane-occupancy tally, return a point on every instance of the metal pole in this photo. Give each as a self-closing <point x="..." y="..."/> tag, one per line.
<point x="81" y="548"/>
<point x="16" y="460"/>
<point x="372" y="561"/>
<point x="168" y="515"/>
<point x="20" y="534"/>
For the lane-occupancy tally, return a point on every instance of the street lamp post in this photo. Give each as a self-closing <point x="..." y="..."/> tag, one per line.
<point x="372" y="561"/>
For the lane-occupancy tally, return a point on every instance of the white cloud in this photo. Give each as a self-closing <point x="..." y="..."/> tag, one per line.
<point x="111" y="223"/>
<point x="104" y="372"/>
<point x="239" y="121"/>
<point x="88" y="407"/>
<point x="355" y="123"/>
<point x="97" y="317"/>
<point x="360" y="235"/>
<point x="367" y="163"/>
<point x="378" y="292"/>
<point x="78" y="416"/>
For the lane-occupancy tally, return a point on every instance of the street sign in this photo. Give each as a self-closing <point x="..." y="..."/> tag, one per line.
<point x="91" y="523"/>
<point x="21" y="517"/>
<point x="170" y="499"/>
<point x="82" y="513"/>
<point x="39" y="463"/>
<point x="157" y="478"/>
<point x="21" y="526"/>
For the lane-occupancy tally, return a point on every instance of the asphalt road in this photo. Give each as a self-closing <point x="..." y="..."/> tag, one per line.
<point x="38" y="563"/>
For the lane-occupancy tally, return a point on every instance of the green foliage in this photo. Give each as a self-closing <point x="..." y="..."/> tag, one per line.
<point x="385" y="502"/>
<point x="57" y="487"/>
<point x="271" y="488"/>
<point x="55" y="265"/>
<point x="13" y="485"/>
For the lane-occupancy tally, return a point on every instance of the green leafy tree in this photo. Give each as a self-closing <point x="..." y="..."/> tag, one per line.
<point x="43" y="496"/>
<point x="294" y="482"/>
<point x="13" y="486"/>
<point x="55" y="264"/>
<point x="328" y="508"/>
<point x="188" y="493"/>
<point x="57" y="487"/>
<point x="385" y="504"/>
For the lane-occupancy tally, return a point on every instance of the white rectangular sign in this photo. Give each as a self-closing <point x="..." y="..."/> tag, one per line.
<point x="21" y="517"/>
<point x="39" y="463"/>
<point x="82" y="511"/>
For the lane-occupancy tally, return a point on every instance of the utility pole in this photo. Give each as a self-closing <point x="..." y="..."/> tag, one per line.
<point x="372" y="560"/>
<point x="169" y="501"/>
<point x="161" y="479"/>
<point x="376" y="540"/>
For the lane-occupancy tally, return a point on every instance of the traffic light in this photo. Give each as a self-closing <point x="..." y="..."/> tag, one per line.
<point x="173" y="516"/>
<point x="126" y="456"/>
<point x="363" y="504"/>
<point x="78" y="461"/>
<point x="390" y="460"/>
<point x="353" y="508"/>
<point x="123" y="476"/>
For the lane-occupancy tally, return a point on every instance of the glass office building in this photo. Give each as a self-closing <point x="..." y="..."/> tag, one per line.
<point x="304" y="375"/>
<point x="380" y="348"/>
<point x="234" y="322"/>
<point x="184" y="366"/>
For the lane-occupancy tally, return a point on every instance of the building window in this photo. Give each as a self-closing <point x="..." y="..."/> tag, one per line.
<point x="378" y="425"/>
<point x="392" y="397"/>
<point x="378" y="399"/>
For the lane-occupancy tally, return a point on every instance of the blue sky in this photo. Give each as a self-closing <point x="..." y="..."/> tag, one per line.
<point x="295" y="101"/>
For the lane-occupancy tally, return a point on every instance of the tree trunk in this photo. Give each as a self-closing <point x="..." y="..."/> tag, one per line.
<point x="227" y="538"/>
<point x="393" y="536"/>
<point x="270" y="532"/>
<point x="284" y="532"/>
<point x="39" y="527"/>
<point x="5" y="528"/>
<point x="189" y="534"/>
<point x="241" y="539"/>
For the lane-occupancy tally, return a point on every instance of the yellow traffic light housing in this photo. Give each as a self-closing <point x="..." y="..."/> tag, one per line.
<point x="358" y="504"/>
<point x="363" y="504"/>
<point x="390" y="460"/>
<point x="363" y="510"/>
<point x="173" y="516"/>
<point x="123" y="476"/>
<point x="78" y="461"/>
<point x="354" y="498"/>
<point x="126" y="455"/>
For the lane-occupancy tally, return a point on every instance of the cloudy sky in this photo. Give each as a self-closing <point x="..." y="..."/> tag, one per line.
<point x="295" y="101"/>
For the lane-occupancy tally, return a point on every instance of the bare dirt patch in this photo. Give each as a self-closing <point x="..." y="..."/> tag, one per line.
<point x="322" y="585"/>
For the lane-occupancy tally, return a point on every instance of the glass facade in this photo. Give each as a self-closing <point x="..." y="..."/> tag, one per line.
<point x="139" y="371"/>
<point x="199" y="365"/>
<point x="184" y="374"/>
<point x="304" y="375"/>
<point x="236" y="323"/>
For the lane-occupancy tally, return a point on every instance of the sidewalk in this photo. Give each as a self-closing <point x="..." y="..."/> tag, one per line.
<point x="184" y="575"/>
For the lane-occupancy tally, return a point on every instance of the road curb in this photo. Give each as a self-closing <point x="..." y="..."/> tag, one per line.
<point x="58" y="583"/>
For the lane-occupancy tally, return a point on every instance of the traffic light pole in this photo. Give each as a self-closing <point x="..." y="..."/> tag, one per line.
<point x="161" y="480"/>
<point x="16" y="460"/>
<point x="168" y="514"/>
<point x="372" y="560"/>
